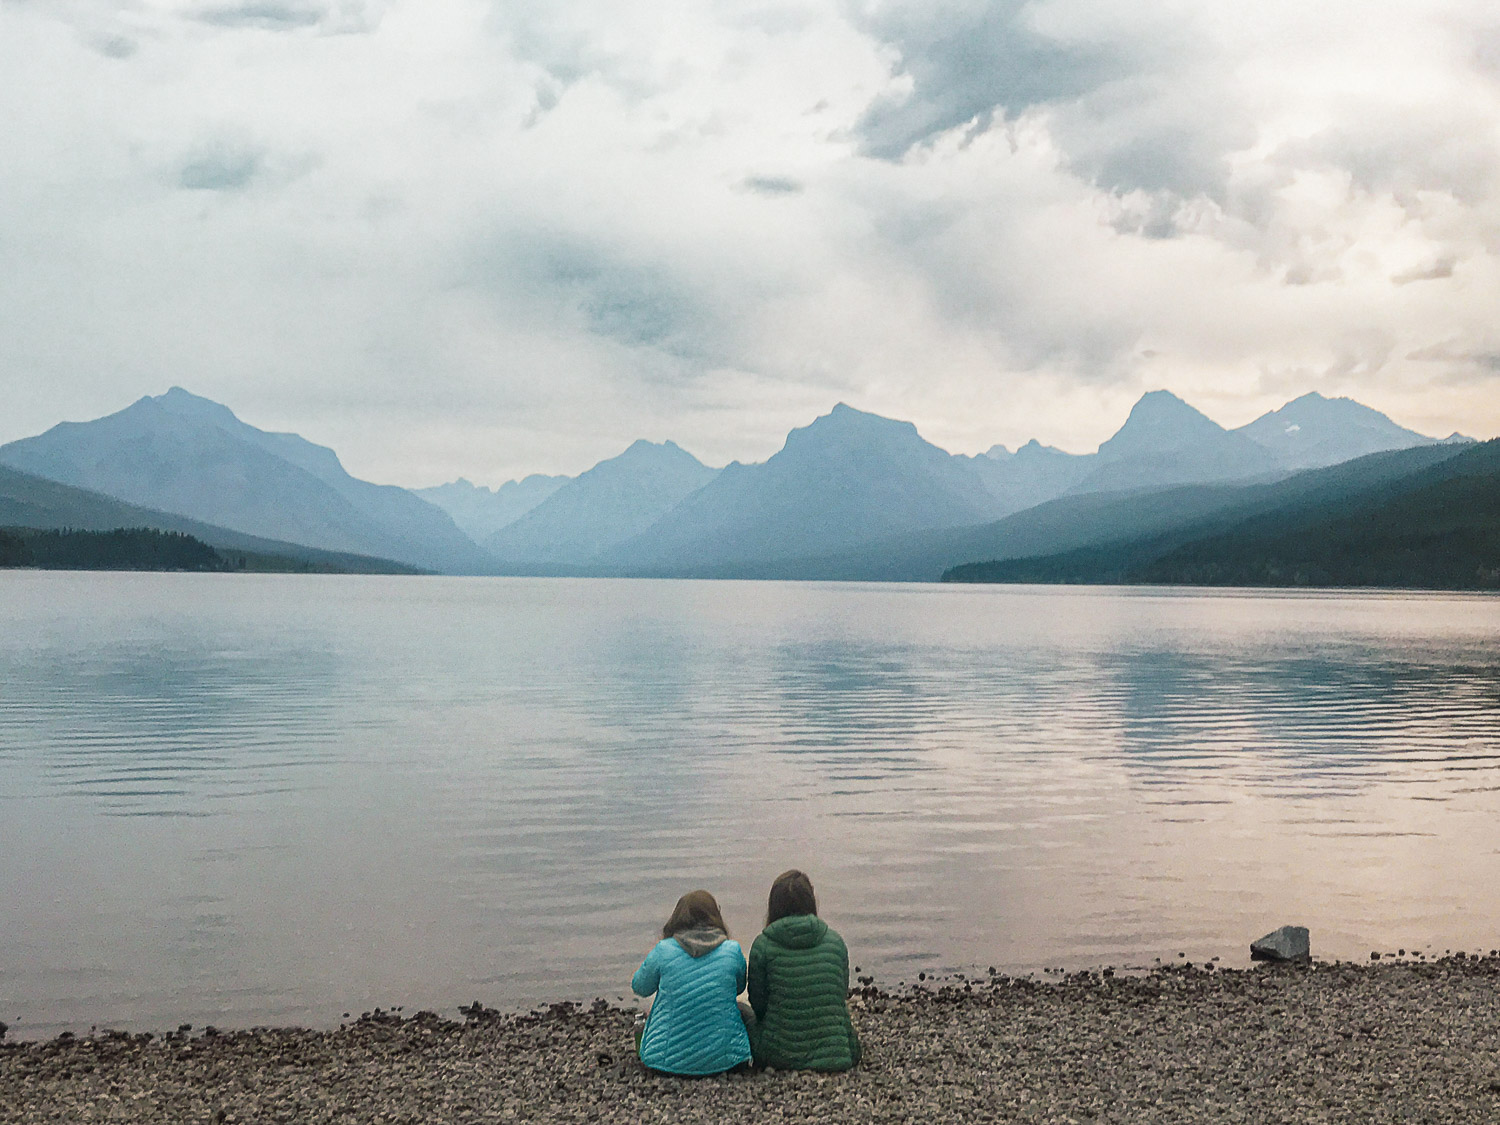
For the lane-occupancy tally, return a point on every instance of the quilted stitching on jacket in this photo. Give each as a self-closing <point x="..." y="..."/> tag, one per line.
<point x="799" y="987"/>
<point x="694" y="1026"/>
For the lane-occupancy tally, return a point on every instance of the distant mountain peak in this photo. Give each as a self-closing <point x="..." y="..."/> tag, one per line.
<point x="1163" y="404"/>
<point x="844" y="423"/>
<point x="180" y="453"/>
<point x="643" y="451"/>
<point x="615" y="500"/>
<point x="185" y="404"/>
<point x="845" y="415"/>
<point x="1034" y="448"/>
<point x="1160" y="420"/>
<point x="1314" y="430"/>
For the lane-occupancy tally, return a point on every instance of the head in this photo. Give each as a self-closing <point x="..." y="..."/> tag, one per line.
<point x="695" y="910"/>
<point x="791" y="893"/>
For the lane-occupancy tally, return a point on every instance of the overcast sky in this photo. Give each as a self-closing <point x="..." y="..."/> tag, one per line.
<point x="483" y="238"/>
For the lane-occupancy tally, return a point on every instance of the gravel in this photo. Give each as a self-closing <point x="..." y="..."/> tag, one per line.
<point x="1394" y="1041"/>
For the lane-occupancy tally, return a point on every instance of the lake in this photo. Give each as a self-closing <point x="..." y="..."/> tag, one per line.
<point x="241" y="800"/>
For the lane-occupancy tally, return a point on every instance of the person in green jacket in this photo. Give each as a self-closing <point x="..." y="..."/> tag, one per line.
<point x="799" y="985"/>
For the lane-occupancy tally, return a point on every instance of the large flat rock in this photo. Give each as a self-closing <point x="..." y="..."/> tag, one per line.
<point x="1290" y="943"/>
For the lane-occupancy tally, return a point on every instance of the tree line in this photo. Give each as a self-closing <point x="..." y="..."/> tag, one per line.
<point x="124" y="548"/>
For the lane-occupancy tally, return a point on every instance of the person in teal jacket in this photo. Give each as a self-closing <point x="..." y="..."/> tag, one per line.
<point x="695" y="972"/>
<point x="799" y="985"/>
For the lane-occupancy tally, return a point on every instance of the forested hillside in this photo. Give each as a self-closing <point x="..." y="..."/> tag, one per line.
<point x="1436" y="528"/>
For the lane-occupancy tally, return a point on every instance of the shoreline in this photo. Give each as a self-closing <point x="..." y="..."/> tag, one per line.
<point x="1384" y="1041"/>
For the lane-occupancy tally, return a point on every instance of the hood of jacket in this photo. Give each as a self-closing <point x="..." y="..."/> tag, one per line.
<point x="699" y="942"/>
<point x="797" y="931"/>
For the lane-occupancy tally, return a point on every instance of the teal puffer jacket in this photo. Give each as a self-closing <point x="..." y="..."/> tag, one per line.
<point x="799" y="988"/>
<point x="694" y="1026"/>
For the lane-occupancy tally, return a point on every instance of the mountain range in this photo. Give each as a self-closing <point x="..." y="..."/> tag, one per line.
<point x="612" y="503"/>
<point x="28" y="501"/>
<point x="480" y="511"/>
<point x="187" y="455"/>
<point x="846" y="477"/>
<point x="1427" y="516"/>
<point x="851" y="495"/>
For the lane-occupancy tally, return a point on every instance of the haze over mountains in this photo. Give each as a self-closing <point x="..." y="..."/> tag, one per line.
<point x="480" y="511"/>
<point x="28" y="501"/>
<point x="184" y="454"/>
<point x="851" y="495"/>
<point x="848" y="476"/>
<point x="1312" y="430"/>
<point x="608" y="505"/>
<point x="1427" y="516"/>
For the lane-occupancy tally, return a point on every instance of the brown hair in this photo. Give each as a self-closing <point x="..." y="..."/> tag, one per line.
<point x="791" y="893"/>
<point x="695" y="910"/>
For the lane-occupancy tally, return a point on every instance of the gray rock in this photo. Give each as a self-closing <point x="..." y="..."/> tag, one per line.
<point x="1290" y="943"/>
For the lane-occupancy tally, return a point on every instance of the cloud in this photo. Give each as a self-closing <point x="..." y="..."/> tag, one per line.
<point x="771" y="185"/>
<point x="1485" y="361"/>
<point x="968" y="65"/>
<point x="488" y="238"/>
<point x="271" y="15"/>
<point x="602" y="288"/>
<point x="1437" y="271"/>
<point x="336" y="16"/>
<point x="1448" y="149"/>
<point x="221" y="166"/>
<point x="1142" y="105"/>
<point x="114" y="46"/>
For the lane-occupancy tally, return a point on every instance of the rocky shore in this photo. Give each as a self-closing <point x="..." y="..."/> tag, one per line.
<point x="1392" y="1042"/>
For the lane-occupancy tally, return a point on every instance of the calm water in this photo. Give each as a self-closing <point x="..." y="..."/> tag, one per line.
<point x="243" y="800"/>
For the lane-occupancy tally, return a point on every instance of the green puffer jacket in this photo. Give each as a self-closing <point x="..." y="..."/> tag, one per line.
<point x="799" y="988"/>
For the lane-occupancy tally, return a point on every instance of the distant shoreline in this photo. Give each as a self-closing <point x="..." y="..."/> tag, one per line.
<point x="149" y="550"/>
<point x="1391" y="1041"/>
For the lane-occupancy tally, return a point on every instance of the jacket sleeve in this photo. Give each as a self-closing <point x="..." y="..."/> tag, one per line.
<point x="757" y="979"/>
<point x="740" y="977"/>
<point x="648" y="976"/>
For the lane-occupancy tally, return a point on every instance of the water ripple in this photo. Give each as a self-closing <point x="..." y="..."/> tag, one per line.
<point x="241" y="799"/>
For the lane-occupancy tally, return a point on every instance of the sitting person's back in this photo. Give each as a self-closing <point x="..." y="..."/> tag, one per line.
<point x="799" y="985"/>
<point x="696" y="972"/>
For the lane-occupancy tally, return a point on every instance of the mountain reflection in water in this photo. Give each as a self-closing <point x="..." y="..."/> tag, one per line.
<point x="254" y="799"/>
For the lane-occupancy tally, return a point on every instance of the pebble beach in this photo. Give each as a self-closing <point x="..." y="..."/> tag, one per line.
<point x="1403" y="1041"/>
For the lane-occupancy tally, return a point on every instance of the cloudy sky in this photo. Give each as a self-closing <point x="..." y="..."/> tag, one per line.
<point x="486" y="238"/>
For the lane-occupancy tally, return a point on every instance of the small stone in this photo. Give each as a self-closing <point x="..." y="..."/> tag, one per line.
<point x="1290" y="943"/>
